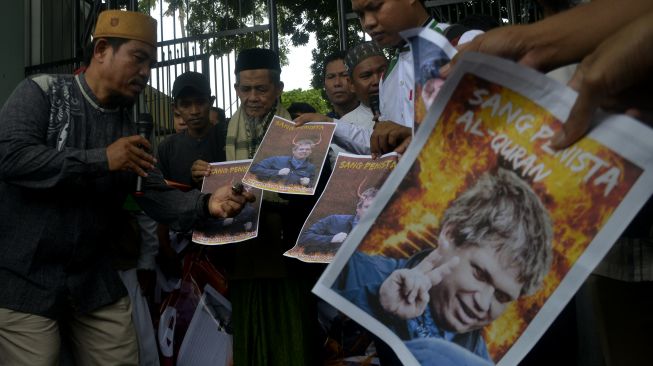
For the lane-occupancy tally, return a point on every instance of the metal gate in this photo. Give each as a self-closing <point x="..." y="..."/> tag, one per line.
<point x="193" y="38"/>
<point x="452" y="11"/>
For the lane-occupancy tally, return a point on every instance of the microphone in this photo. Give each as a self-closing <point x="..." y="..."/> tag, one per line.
<point x="144" y="128"/>
<point x="375" y="106"/>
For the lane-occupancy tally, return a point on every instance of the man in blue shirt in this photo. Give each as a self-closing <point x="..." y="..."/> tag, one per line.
<point x="289" y="170"/>
<point x="493" y="247"/>
<point x="328" y="234"/>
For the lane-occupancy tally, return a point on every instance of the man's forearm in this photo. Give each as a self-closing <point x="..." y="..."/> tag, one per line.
<point x="352" y="138"/>
<point x="167" y="205"/>
<point x="567" y="37"/>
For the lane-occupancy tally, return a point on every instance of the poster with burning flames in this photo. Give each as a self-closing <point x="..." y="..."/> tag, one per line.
<point x="431" y="50"/>
<point x="350" y="191"/>
<point x="483" y="232"/>
<point x="290" y="159"/>
<point x="241" y="227"/>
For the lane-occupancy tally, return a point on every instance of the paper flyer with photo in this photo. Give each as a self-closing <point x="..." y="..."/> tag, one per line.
<point x="482" y="232"/>
<point x="351" y="189"/>
<point x="209" y="339"/>
<point x="243" y="226"/>
<point x="431" y="50"/>
<point x="290" y="158"/>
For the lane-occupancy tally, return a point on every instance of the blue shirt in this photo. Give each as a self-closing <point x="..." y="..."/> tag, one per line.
<point x="359" y="282"/>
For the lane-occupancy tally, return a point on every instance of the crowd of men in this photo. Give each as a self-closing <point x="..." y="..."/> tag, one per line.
<point x="70" y="156"/>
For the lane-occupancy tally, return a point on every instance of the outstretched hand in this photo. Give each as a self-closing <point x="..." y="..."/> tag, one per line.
<point x="388" y="137"/>
<point x="311" y="117"/>
<point x="225" y="203"/>
<point x="512" y="42"/>
<point x="200" y="170"/>
<point x="129" y="154"/>
<point x="339" y="237"/>
<point x="405" y="293"/>
<point x="613" y="77"/>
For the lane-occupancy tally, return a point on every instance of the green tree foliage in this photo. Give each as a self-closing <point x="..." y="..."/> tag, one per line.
<point x="310" y="96"/>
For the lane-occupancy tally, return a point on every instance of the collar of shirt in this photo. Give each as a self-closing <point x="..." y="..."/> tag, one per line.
<point x="296" y="163"/>
<point x="404" y="47"/>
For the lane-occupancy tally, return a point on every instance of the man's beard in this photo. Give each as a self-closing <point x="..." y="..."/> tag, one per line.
<point x="254" y="121"/>
<point x="122" y="101"/>
<point x="257" y="125"/>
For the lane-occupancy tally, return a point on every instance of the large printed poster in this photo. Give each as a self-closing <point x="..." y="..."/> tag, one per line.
<point x="483" y="232"/>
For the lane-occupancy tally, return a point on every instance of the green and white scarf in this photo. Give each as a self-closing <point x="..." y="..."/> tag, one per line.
<point x="243" y="138"/>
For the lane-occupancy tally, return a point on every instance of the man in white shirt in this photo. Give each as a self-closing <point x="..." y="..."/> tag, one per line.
<point x="366" y="63"/>
<point x="383" y="22"/>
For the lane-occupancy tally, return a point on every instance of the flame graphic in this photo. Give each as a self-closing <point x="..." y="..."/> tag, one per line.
<point x="578" y="207"/>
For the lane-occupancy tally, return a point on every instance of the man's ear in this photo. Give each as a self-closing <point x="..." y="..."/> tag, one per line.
<point x="100" y="50"/>
<point x="280" y="89"/>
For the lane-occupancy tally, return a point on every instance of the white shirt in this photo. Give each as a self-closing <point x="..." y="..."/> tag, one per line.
<point x="396" y="91"/>
<point x="353" y="132"/>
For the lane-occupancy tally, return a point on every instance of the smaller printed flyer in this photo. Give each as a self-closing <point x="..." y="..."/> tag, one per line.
<point x="243" y="226"/>
<point x="351" y="189"/>
<point x="290" y="159"/>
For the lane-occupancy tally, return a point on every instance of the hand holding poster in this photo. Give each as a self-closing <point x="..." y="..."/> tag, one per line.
<point x="290" y="159"/>
<point x="351" y="189"/>
<point x="243" y="226"/>
<point x="483" y="232"/>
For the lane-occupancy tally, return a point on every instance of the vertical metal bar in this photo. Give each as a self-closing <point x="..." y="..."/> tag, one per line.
<point x="174" y="24"/>
<point x="41" y="49"/>
<point x="342" y="25"/>
<point x="28" y="33"/>
<point x="229" y="78"/>
<point x="511" y="11"/>
<point x="224" y="104"/>
<point x="77" y="50"/>
<point x="215" y="79"/>
<point x="166" y="91"/>
<point x="161" y="20"/>
<point x="62" y="54"/>
<point x="272" y="17"/>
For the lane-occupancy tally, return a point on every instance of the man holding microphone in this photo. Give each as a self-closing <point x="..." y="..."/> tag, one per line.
<point x="69" y="154"/>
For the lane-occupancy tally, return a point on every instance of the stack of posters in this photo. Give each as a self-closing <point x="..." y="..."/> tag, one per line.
<point x="351" y="189"/>
<point x="483" y="232"/>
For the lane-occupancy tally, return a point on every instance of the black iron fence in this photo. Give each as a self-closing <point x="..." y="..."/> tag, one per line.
<point x="194" y="37"/>
<point x="209" y="51"/>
